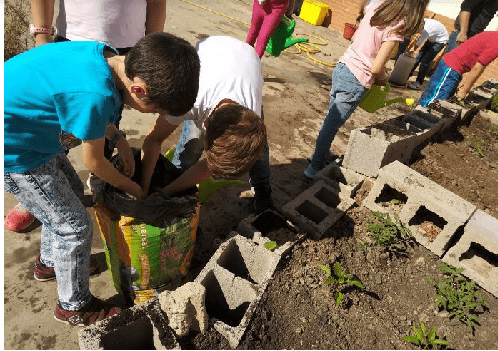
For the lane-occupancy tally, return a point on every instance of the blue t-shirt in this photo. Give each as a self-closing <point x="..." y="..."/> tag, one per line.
<point x="56" y="87"/>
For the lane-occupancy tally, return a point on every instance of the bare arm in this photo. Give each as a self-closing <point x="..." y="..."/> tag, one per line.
<point x="192" y="176"/>
<point x="152" y="148"/>
<point x="156" y="16"/>
<point x="469" y="79"/>
<point x="94" y="160"/>
<point x="42" y="12"/>
<point x="290" y="8"/>
<point x="378" y="67"/>
<point x="464" y="26"/>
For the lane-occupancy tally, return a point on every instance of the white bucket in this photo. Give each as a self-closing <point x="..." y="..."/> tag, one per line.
<point x="402" y="69"/>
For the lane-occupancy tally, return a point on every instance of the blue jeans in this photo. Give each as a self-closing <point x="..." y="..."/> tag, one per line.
<point x="345" y="96"/>
<point x="443" y="84"/>
<point x="425" y="57"/>
<point x="452" y="43"/>
<point x="191" y="145"/>
<point x="52" y="194"/>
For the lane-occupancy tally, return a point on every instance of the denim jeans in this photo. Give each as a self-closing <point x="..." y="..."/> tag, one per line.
<point x="52" y="194"/>
<point x="191" y="145"/>
<point x="452" y="43"/>
<point x="425" y="57"/>
<point x="442" y="85"/>
<point x="345" y="96"/>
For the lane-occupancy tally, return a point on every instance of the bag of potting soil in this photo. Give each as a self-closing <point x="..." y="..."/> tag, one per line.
<point x="148" y="243"/>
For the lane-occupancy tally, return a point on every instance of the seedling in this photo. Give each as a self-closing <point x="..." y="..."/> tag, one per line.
<point x="458" y="295"/>
<point x="396" y="202"/>
<point x="339" y="277"/>
<point x="362" y="246"/>
<point x="386" y="232"/>
<point x="495" y="128"/>
<point x="476" y="144"/>
<point x="424" y="340"/>
<point x="270" y="245"/>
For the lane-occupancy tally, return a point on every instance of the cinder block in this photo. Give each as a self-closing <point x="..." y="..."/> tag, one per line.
<point x="316" y="209"/>
<point x="477" y="251"/>
<point x="235" y="278"/>
<point x="424" y="125"/>
<point x="143" y="326"/>
<point x="341" y="178"/>
<point x="370" y="149"/>
<point x="429" y="207"/>
<point x="271" y="226"/>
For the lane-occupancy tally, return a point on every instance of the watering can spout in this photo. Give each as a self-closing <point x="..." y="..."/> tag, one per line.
<point x="291" y="41"/>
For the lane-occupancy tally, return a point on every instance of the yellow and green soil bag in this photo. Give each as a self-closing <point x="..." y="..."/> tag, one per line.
<point x="148" y="243"/>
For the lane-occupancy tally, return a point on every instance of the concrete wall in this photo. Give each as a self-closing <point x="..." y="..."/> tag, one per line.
<point x="346" y="11"/>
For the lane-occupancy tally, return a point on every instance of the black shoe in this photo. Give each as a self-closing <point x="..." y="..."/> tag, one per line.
<point x="262" y="197"/>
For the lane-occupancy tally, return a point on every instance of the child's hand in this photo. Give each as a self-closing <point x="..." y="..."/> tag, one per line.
<point x="135" y="192"/>
<point x="126" y="159"/>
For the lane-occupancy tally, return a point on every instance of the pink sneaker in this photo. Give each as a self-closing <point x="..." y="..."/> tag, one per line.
<point x="18" y="219"/>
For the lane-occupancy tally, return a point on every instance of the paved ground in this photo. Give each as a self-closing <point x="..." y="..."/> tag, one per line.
<point x="295" y="100"/>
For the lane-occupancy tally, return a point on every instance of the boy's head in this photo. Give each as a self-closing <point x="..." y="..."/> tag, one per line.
<point x="235" y="139"/>
<point x="169" y="66"/>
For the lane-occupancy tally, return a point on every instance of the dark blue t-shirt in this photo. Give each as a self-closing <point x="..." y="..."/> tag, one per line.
<point x="52" y="88"/>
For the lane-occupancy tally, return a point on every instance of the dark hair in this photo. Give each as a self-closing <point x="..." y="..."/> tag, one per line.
<point x="236" y="138"/>
<point x="392" y="11"/>
<point x="170" y="67"/>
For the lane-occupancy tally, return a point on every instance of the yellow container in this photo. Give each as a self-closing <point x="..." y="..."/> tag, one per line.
<point x="313" y="12"/>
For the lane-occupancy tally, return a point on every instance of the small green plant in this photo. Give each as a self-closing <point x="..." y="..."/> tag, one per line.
<point x="270" y="245"/>
<point x="494" y="103"/>
<point x="386" y="232"/>
<point x="362" y="246"/>
<point x="495" y="128"/>
<point x="339" y="277"/>
<point x="424" y="340"/>
<point x="476" y="144"/>
<point x="396" y="202"/>
<point x="458" y="295"/>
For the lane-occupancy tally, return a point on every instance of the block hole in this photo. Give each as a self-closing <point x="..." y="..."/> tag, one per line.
<point x="137" y="335"/>
<point x="217" y="305"/>
<point x="312" y="211"/>
<point x="232" y="260"/>
<point x="429" y="223"/>
<point x="478" y="252"/>
<point x="392" y="198"/>
<point x="329" y="198"/>
<point x="274" y="227"/>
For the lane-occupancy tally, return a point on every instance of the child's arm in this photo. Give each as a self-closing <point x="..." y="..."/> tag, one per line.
<point x="378" y="67"/>
<point x="94" y="160"/>
<point x="125" y="154"/>
<point x="155" y="17"/>
<point x="469" y="80"/>
<point x="464" y="26"/>
<point x="192" y="176"/>
<point x="152" y="147"/>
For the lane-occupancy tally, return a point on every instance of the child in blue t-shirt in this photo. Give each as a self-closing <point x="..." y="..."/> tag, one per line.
<point x="80" y="88"/>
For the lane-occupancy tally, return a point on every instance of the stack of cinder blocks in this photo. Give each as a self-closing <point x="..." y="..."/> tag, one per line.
<point x="143" y="327"/>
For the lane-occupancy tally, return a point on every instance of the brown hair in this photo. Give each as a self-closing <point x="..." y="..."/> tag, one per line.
<point x="411" y="12"/>
<point x="235" y="139"/>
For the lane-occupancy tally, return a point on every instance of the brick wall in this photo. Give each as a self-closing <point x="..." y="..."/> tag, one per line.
<point x="346" y="11"/>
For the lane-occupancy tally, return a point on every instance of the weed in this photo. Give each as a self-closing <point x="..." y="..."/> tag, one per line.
<point x="396" y="202"/>
<point x="386" y="232"/>
<point x="476" y="144"/>
<point x="457" y="295"/>
<point x="270" y="245"/>
<point x="424" y="340"/>
<point x="362" y="246"/>
<point x="339" y="277"/>
<point x="495" y="128"/>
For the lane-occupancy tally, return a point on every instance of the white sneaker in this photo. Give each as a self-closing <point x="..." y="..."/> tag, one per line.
<point x="415" y="85"/>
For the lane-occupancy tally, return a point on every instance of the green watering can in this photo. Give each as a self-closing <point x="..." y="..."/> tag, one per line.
<point x="208" y="187"/>
<point x="375" y="98"/>
<point x="281" y="39"/>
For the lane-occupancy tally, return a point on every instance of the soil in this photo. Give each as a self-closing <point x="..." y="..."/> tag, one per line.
<point x="297" y="309"/>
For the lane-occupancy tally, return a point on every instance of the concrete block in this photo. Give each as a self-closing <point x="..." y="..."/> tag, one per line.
<point x="316" y="209"/>
<point x="143" y="326"/>
<point x="490" y="86"/>
<point x="235" y="278"/>
<point x="371" y="148"/>
<point x="477" y="251"/>
<point x="271" y="226"/>
<point x="489" y="115"/>
<point x="341" y="178"/>
<point x="185" y="308"/>
<point x="431" y="212"/>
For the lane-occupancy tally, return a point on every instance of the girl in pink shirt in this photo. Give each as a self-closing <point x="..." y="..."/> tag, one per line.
<point x="362" y="64"/>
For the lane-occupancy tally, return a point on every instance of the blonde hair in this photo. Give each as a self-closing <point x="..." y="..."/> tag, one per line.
<point x="410" y="12"/>
<point x="235" y="139"/>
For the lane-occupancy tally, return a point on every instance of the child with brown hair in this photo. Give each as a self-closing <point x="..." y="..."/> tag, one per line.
<point x="226" y="122"/>
<point x="82" y="96"/>
<point x="363" y="64"/>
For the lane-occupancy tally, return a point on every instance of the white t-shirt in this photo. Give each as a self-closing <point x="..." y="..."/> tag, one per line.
<point x="435" y="31"/>
<point x="120" y="23"/>
<point x="230" y="69"/>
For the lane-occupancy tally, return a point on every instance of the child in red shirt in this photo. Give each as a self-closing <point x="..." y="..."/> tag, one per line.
<point x="472" y="56"/>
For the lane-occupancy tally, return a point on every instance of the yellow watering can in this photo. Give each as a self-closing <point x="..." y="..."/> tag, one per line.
<point x="375" y="98"/>
<point x="208" y="187"/>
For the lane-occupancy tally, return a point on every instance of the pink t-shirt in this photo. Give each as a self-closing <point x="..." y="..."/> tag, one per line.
<point x="360" y="55"/>
<point x="482" y="48"/>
